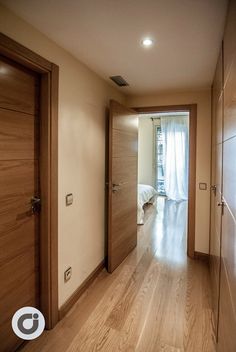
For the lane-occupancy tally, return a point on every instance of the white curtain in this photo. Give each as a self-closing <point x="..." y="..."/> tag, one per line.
<point x="175" y="130"/>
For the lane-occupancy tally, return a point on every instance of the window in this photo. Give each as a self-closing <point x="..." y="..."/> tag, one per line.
<point x="159" y="164"/>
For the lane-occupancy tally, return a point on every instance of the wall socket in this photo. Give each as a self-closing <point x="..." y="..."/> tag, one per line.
<point x="67" y="274"/>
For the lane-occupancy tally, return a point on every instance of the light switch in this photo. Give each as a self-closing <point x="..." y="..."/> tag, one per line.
<point x="202" y="186"/>
<point x="67" y="274"/>
<point x="69" y="199"/>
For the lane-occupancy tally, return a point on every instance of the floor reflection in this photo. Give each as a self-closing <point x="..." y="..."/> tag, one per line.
<point x="170" y="230"/>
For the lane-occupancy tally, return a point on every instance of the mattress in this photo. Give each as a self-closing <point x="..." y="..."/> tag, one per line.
<point x="146" y="194"/>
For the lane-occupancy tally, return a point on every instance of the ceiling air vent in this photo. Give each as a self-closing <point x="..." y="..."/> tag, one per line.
<point x="119" y="81"/>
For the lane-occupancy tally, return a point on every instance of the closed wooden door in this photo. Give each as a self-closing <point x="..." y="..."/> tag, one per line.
<point x="227" y="304"/>
<point x="19" y="182"/>
<point x="123" y="157"/>
<point x="216" y="192"/>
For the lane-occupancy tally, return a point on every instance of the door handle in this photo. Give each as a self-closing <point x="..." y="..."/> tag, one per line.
<point x="213" y="188"/>
<point x="119" y="184"/>
<point x="116" y="186"/>
<point x="222" y="205"/>
<point x="35" y="205"/>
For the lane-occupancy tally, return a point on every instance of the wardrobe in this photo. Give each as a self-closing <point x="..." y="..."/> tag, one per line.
<point x="223" y="190"/>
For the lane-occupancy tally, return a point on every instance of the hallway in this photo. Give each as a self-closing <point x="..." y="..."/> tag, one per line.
<point x="157" y="299"/>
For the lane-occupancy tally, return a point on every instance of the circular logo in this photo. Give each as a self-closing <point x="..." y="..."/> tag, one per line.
<point x="28" y="323"/>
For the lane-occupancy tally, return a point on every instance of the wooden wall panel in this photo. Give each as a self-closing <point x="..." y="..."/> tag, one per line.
<point x="227" y="293"/>
<point x="229" y="251"/>
<point x="229" y="174"/>
<point x="227" y="322"/>
<point x="229" y="38"/>
<point x="219" y="120"/>
<point x="216" y="181"/>
<point x="218" y="79"/>
<point x="230" y="102"/>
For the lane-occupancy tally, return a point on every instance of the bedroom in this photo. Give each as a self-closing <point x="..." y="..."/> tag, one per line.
<point x="163" y="168"/>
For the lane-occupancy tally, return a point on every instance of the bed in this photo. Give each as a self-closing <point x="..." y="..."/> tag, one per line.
<point x="146" y="194"/>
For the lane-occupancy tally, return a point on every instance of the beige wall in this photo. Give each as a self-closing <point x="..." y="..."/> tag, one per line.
<point x="203" y="101"/>
<point x="83" y="98"/>
<point x="145" y="151"/>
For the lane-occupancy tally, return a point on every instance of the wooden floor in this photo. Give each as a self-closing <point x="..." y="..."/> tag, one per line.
<point x="157" y="300"/>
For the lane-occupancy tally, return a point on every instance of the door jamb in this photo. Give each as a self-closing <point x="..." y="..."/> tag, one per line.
<point x="192" y="109"/>
<point x="49" y="74"/>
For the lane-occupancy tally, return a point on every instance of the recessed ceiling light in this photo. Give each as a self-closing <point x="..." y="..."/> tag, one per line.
<point x="147" y="42"/>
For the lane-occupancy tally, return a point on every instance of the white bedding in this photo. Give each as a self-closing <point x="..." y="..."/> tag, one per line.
<point x="146" y="194"/>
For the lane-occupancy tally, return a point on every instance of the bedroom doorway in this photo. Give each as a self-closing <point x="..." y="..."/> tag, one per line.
<point x="167" y="161"/>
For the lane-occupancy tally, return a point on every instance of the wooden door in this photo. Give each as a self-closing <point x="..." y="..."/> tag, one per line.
<point x="19" y="182"/>
<point x="122" y="208"/>
<point x="227" y="306"/>
<point x="216" y="191"/>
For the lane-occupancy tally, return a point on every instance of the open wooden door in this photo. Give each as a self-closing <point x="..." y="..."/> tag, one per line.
<point x="122" y="183"/>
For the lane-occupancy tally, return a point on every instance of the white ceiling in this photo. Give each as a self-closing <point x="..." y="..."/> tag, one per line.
<point x="106" y="35"/>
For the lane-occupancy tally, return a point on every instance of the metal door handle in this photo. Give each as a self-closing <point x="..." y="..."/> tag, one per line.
<point x="35" y="205"/>
<point x="116" y="186"/>
<point x="119" y="184"/>
<point x="221" y="204"/>
<point x="213" y="188"/>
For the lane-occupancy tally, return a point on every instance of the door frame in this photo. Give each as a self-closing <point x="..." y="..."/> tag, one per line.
<point x="192" y="110"/>
<point x="48" y="175"/>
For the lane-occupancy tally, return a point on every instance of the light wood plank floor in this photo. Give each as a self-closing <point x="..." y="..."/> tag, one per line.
<point x="157" y="300"/>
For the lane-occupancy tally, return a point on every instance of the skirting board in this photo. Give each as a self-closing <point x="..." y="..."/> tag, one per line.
<point x="202" y="256"/>
<point x="80" y="290"/>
